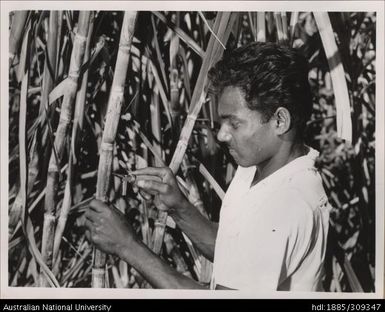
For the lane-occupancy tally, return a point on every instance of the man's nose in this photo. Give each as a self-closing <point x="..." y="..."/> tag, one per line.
<point x="223" y="135"/>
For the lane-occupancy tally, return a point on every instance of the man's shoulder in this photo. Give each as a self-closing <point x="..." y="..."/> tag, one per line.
<point x="308" y="178"/>
<point x="305" y="187"/>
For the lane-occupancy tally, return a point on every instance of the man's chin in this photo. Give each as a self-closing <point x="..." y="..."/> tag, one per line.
<point x="239" y="162"/>
<point x="242" y="163"/>
<point x="245" y="165"/>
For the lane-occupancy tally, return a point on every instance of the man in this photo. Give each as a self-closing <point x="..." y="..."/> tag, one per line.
<point x="274" y="218"/>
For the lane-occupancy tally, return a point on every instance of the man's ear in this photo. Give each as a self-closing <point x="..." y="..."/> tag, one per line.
<point x="282" y="120"/>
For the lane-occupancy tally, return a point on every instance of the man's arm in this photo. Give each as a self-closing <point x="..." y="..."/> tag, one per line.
<point x="199" y="229"/>
<point x="155" y="271"/>
<point x="109" y="231"/>
<point x="161" y="183"/>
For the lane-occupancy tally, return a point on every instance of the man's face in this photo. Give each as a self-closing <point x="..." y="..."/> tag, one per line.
<point x="250" y="140"/>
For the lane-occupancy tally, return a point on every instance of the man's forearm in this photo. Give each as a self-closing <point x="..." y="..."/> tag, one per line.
<point x="201" y="231"/>
<point x="157" y="272"/>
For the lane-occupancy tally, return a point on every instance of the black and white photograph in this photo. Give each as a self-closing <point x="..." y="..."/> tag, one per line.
<point x="207" y="149"/>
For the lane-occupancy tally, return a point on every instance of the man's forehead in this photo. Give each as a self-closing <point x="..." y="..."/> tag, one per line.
<point x="231" y="102"/>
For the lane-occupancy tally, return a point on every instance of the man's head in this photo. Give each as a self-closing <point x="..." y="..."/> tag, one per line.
<point x="264" y="100"/>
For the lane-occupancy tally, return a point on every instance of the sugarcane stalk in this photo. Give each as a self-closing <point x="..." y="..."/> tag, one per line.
<point x="214" y="184"/>
<point x="337" y="273"/>
<point x="198" y="97"/>
<point x="205" y="266"/>
<point x="285" y="31"/>
<point x="175" y="108"/>
<point x="220" y="45"/>
<point x="252" y="26"/>
<point x="110" y="128"/>
<point x="60" y="140"/>
<point x="49" y="78"/>
<point x="77" y="126"/>
<point x="161" y="91"/>
<point x="49" y="66"/>
<point x="236" y="29"/>
<point x="33" y="170"/>
<point x="160" y="61"/>
<point x="26" y="222"/>
<point x="175" y="254"/>
<point x="337" y="73"/>
<point x="34" y="155"/>
<point x="77" y="266"/>
<point x="16" y="33"/>
<point x="181" y="34"/>
<point x="156" y="126"/>
<point x="270" y="22"/>
<point x="58" y="41"/>
<point x="210" y="29"/>
<point x="218" y="49"/>
<point x="293" y="24"/>
<point x="60" y="63"/>
<point x="20" y="269"/>
<point x="145" y="227"/>
<point x="156" y="130"/>
<point x="278" y="23"/>
<point x="123" y="269"/>
<point x="83" y="251"/>
<point x="199" y="93"/>
<point x="30" y="209"/>
<point x="23" y="191"/>
<point x="261" y="27"/>
<point x="117" y="278"/>
<point x="66" y="205"/>
<point x="186" y="74"/>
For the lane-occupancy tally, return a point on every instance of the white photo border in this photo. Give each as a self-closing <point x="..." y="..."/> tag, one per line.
<point x="109" y="293"/>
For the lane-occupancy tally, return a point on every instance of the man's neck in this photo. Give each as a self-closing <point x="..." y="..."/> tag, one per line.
<point x="286" y="154"/>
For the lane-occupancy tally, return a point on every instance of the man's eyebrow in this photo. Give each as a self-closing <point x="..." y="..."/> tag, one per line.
<point x="227" y="116"/>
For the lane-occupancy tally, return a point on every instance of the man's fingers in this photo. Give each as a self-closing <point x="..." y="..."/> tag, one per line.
<point x="152" y="186"/>
<point x="160" y="172"/>
<point x="88" y="224"/>
<point x="149" y="191"/>
<point x="159" y="204"/>
<point x="91" y="216"/>
<point x="147" y="177"/>
<point x="145" y="195"/>
<point x="88" y="235"/>
<point x="98" y="205"/>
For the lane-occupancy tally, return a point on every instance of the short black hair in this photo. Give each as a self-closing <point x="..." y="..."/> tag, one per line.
<point x="270" y="76"/>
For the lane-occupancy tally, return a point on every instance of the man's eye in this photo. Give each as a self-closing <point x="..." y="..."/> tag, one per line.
<point x="235" y="125"/>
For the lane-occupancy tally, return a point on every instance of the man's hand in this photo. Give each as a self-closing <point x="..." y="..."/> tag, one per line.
<point x="161" y="183"/>
<point x="108" y="229"/>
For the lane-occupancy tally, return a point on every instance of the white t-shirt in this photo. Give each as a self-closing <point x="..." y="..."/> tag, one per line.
<point x="272" y="236"/>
